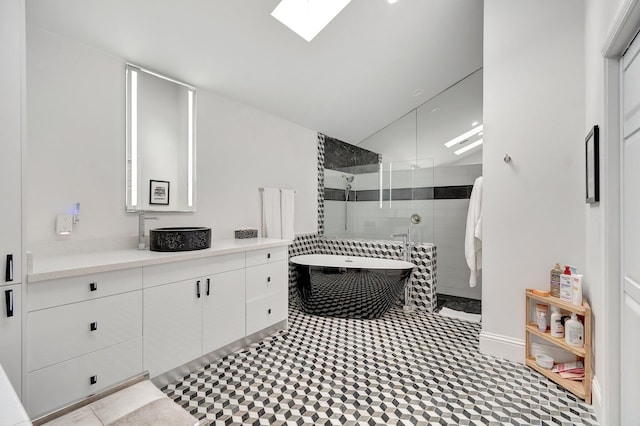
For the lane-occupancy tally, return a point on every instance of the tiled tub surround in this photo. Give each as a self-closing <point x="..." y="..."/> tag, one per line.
<point x="414" y="369"/>
<point x="422" y="281"/>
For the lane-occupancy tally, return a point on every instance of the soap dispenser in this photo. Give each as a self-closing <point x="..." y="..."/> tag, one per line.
<point x="574" y="332"/>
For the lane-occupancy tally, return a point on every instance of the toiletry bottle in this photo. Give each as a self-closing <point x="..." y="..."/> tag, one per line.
<point x="542" y="321"/>
<point x="574" y="332"/>
<point x="566" y="292"/>
<point x="557" y="329"/>
<point x="554" y="283"/>
<point x="576" y="289"/>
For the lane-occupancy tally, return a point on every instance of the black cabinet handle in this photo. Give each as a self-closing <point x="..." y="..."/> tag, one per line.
<point x="268" y="255"/>
<point x="8" y="275"/>
<point x="208" y="286"/>
<point x="269" y="311"/>
<point x="93" y="286"/>
<point x="198" y="289"/>
<point x="93" y="326"/>
<point x="8" y="298"/>
<point x="93" y="379"/>
<point x="268" y="279"/>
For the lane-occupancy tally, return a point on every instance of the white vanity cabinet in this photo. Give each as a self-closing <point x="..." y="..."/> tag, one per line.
<point x="84" y="334"/>
<point x="192" y="308"/>
<point x="10" y="332"/>
<point x="267" y="288"/>
<point x="12" y="24"/>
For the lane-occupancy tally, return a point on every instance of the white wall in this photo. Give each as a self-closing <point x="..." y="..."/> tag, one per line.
<point x="533" y="208"/>
<point x="76" y="151"/>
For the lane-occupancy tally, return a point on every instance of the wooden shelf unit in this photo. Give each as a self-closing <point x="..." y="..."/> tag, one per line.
<point x="582" y="389"/>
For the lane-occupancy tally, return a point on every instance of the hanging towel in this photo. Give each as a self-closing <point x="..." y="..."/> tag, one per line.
<point x="271" y="217"/>
<point x="473" y="236"/>
<point x="287" y="204"/>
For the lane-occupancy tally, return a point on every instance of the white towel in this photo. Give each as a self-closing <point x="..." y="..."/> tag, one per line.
<point x="271" y="217"/>
<point x="473" y="235"/>
<point x="287" y="208"/>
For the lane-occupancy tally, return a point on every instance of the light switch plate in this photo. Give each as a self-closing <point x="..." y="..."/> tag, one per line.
<point x="64" y="224"/>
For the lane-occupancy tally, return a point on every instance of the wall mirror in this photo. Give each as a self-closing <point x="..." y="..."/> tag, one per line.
<point x="161" y="146"/>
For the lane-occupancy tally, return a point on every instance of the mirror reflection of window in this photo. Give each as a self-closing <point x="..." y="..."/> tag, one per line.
<point x="160" y="140"/>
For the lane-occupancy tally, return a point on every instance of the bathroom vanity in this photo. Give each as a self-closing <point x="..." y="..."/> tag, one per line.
<point x="96" y="319"/>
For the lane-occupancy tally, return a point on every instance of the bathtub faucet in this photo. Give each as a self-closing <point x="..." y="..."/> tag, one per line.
<point x="405" y="245"/>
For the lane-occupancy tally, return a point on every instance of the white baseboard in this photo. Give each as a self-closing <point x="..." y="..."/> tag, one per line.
<point x="596" y="400"/>
<point x="502" y="346"/>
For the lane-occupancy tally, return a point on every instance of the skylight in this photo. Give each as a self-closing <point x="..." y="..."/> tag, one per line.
<point x="308" y="17"/>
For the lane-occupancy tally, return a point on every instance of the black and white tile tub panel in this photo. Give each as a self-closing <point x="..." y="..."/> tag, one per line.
<point x="413" y="369"/>
<point x="422" y="280"/>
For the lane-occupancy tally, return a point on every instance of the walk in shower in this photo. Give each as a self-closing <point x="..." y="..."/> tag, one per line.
<point x="414" y="176"/>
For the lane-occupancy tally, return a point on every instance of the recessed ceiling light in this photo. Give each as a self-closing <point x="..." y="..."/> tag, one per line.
<point x="308" y="17"/>
<point x="468" y="147"/>
<point x="392" y="1"/>
<point x="417" y="92"/>
<point x="463" y="136"/>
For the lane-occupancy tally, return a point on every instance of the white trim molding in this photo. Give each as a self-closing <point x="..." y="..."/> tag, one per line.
<point x="596" y="398"/>
<point x="502" y="346"/>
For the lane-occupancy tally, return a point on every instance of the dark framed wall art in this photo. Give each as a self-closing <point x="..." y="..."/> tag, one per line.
<point x="592" y="155"/>
<point x="159" y="192"/>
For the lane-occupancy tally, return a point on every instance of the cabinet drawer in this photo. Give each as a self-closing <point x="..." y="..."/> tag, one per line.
<point x="70" y="381"/>
<point x="45" y="294"/>
<point x="264" y="312"/>
<point x="180" y="271"/>
<point x="264" y="280"/>
<point x="260" y="257"/>
<point x="57" y="334"/>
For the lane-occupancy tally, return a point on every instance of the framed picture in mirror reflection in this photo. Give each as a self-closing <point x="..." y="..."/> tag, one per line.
<point x="159" y="192"/>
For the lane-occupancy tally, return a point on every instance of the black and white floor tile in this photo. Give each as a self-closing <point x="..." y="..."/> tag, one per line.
<point x="416" y="368"/>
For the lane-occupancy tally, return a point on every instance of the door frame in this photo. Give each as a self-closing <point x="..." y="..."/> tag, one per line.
<point x="620" y="35"/>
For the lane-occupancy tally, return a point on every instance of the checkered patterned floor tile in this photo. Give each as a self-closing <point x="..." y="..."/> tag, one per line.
<point x="415" y="369"/>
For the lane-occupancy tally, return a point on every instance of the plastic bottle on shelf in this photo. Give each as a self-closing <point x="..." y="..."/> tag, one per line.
<point x="542" y="321"/>
<point x="566" y="289"/>
<point x="557" y="329"/>
<point x="554" y="282"/>
<point x="574" y="332"/>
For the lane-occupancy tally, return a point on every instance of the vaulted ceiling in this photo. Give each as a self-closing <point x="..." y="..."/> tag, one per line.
<point x="372" y="64"/>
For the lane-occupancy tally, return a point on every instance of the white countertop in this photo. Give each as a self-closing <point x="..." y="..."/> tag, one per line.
<point x="70" y="265"/>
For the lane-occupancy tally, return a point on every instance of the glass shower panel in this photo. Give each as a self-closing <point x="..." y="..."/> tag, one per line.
<point x="406" y="199"/>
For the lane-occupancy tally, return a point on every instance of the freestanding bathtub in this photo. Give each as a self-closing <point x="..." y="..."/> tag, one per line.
<point x="349" y="286"/>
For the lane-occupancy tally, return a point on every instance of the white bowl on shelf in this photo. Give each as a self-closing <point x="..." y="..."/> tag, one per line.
<point x="544" y="361"/>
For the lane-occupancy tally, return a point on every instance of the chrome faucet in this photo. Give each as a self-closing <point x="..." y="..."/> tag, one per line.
<point x="405" y="245"/>
<point x="141" y="219"/>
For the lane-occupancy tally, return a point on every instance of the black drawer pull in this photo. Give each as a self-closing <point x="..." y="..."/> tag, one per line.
<point x="198" y="289"/>
<point x="8" y="276"/>
<point x="269" y="311"/>
<point x="208" y="286"/>
<point x="8" y="298"/>
<point x="93" y="286"/>
<point x="268" y="279"/>
<point x="93" y="326"/>
<point x="93" y="379"/>
<point x="268" y="255"/>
